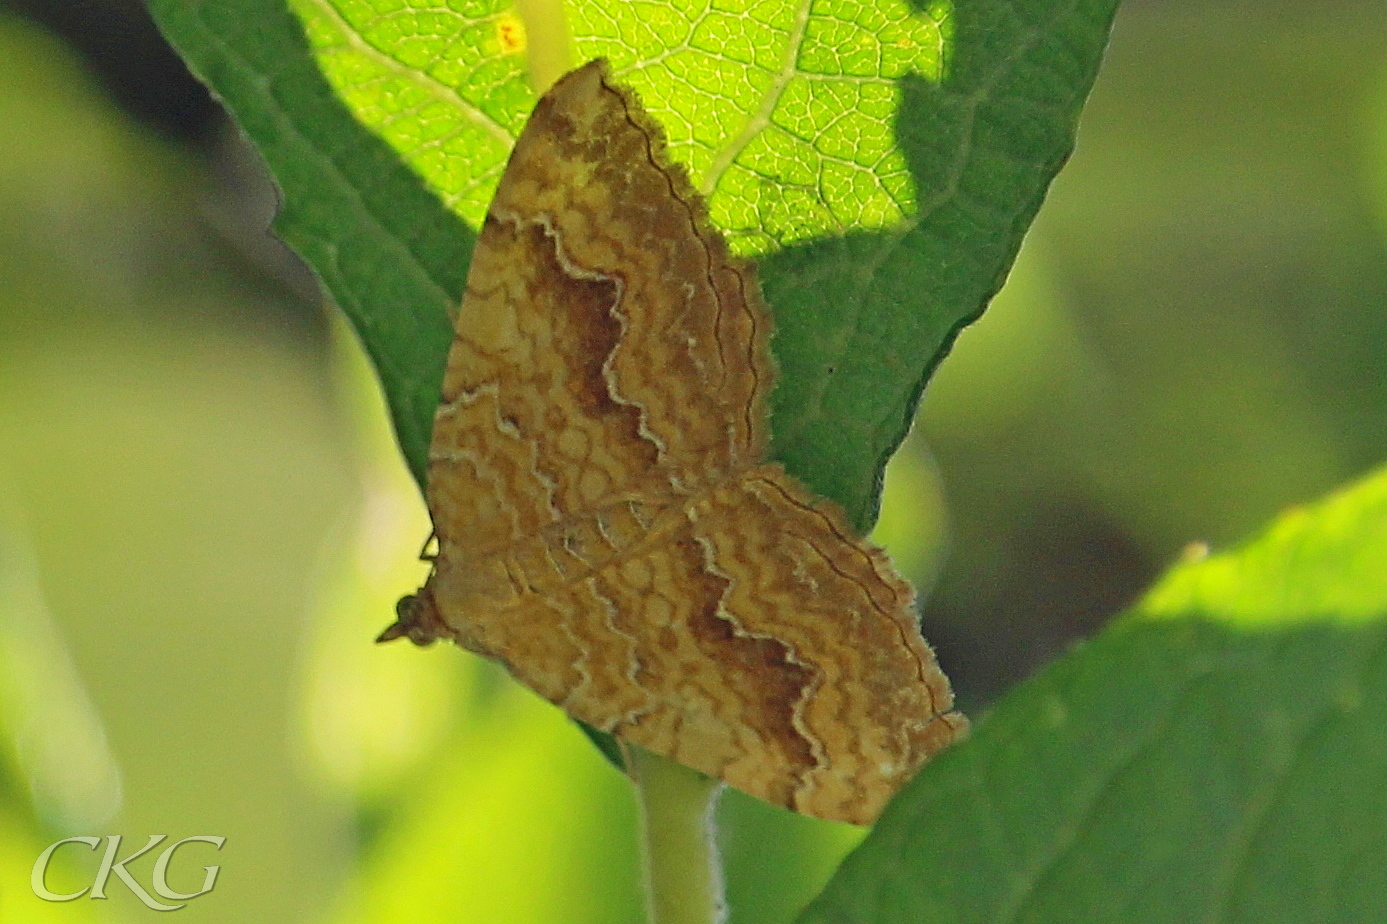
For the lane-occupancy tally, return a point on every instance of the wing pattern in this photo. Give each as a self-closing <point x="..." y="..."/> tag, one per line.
<point x="607" y="524"/>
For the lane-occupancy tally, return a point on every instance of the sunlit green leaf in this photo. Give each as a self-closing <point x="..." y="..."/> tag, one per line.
<point x="1217" y="754"/>
<point x="882" y="160"/>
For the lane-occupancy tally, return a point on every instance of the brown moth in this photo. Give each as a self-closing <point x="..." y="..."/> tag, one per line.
<point x="608" y="525"/>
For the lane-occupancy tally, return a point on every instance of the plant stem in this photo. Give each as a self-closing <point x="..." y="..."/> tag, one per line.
<point x="546" y="41"/>
<point x="683" y="872"/>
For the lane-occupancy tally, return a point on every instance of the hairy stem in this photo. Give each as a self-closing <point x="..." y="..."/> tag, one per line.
<point x="683" y="872"/>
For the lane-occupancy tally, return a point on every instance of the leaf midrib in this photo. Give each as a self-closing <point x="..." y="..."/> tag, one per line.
<point x="761" y="118"/>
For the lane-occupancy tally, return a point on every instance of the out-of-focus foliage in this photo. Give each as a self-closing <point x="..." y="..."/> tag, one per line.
<point x="1194" y="334"/>
<point x="173" y="464"/>
<point x="1191" y="340"/>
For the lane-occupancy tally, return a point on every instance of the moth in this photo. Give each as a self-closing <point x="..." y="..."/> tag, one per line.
<point x="609" y="526"/>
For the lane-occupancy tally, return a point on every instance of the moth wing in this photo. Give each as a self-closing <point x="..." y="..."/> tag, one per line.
<point x="753" y="638"/>
<point x="608" y="345"/>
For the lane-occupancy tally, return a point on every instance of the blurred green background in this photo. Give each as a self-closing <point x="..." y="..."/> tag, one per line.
<point x="204" y="522"/>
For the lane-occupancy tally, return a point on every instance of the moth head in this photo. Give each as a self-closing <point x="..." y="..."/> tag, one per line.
<point x="416" y="618"/>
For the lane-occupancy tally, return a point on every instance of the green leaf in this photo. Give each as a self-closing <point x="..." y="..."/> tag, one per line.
<point x="1218" y="754"/>
<point x="882" y="160"/>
